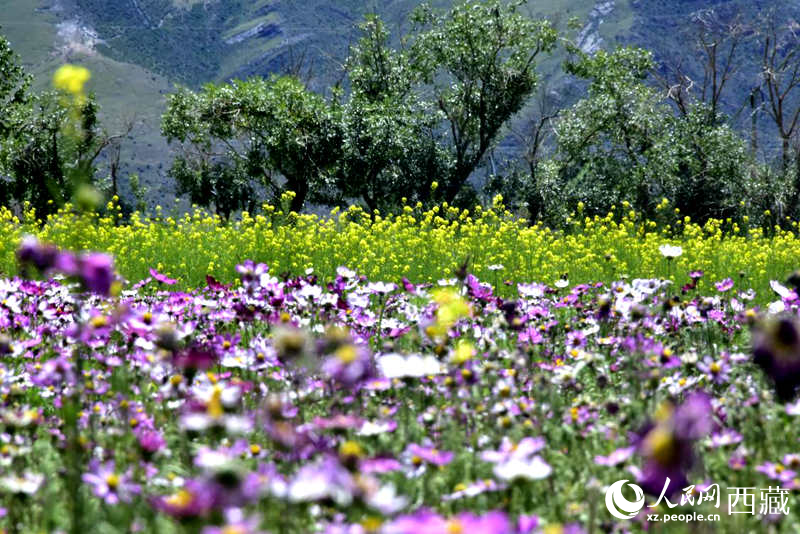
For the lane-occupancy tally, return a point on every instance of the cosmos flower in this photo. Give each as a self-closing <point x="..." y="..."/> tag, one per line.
<point x="776" y="350"/>
<point x="164" y="279"/>
<point x="97" y="272"/>
<point x="195" y="499"/>
<point x="724" y="285"/>
<point x="419" y="454"/>
<point x="109" y="485"/>
<point x="518" y="460"/>
<point x="425" y="522"/>
<point x="666" y="444"/>
<point x="670" y="251"/>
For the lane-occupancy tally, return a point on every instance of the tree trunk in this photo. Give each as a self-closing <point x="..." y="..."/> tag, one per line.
<point x="785" y="154"/>
<point x="753" y="124"/>
<point x="300" y="189"/>
<point x="796" y="181"/>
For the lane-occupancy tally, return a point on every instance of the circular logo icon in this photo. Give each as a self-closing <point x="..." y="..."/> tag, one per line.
<point x="619" y="506"/>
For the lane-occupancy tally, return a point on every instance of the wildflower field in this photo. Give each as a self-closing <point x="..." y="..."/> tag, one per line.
<point x="434" y="372"/>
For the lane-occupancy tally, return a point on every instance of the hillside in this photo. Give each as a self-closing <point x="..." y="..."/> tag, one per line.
<point x="137" y="49"/>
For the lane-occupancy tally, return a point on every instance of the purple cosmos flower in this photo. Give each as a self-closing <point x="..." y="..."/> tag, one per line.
<point x="715" y="370"/>
<point x="696" y="275"/>
<point x="164" y="279"/>
<point x="196" y="499"/>
<point x="667" y="444"/>
<point x="776" y="471"/>
<point x="97" y="272"/>
<point x="617" y="457"/>
<point x="724" y="285"/>
<point x="724" y="438"/>
<point x="41" y="256"/>
<point x="109" y="485"/>
<point x="349" y="365"/>
<point x="776" y="349"/>
<point x="150" y="441"/>
<point x="420" y="454"/>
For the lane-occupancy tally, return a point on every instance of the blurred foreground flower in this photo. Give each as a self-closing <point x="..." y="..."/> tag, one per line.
<point x="667" y="444"/>
<point x="71" y="78"/>
<point x="776" y="349"/>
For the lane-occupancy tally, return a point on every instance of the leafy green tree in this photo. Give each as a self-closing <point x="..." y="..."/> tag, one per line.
<point x="623" y="143"/>
<point x="52" y="151"/>
<point x="713" y="175"/>
<point x="48" y="143"/>
<point x="480" y="61"/>
<point x="234" y="138"/>
<point x="14" y="84"/>
<point x="389" y="145"/>
<point x="611" y="146"/>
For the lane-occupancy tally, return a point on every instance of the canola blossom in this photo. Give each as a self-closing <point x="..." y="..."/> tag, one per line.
<point x="71" y="78"/>
<point x="345" y="404"/>
<point x="420" y="245"/>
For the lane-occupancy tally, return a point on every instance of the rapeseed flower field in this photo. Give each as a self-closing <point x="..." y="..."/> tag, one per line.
<point x="422" y="245"/>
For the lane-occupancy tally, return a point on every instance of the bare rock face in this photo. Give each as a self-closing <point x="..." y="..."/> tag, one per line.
<point x="589" y="38"/>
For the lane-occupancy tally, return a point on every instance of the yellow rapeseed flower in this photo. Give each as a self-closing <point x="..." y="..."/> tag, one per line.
<point x="71" y="78"/>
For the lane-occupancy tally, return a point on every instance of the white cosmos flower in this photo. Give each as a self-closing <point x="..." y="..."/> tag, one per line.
<point x="670" y="251"/>
<point x="533" y="468"/>
<point x="395" y="365"/>
<point x="781" y="290"/>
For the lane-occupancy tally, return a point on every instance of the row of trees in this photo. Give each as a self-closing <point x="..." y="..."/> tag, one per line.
<point x="430" y="112"/>
<point x="402" y="120"/>
<point x="415" y="122"/>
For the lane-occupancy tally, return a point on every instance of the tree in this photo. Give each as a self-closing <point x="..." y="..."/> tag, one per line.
<point x="389" y="145"/>
<point x="622" y="143"/>
<point x="234" y="138"/>
<point x="716" y="42"/>
<point x="781" y="81"/>
<point x="14" y="85"/>
<point x="480" y="61"/>
<point x="48" y="142"/>
<point x="611" y="146"/>
<point x="52" y="151"/>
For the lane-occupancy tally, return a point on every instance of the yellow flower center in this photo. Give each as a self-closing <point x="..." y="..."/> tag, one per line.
<point x="112" y="480"/>
<point x="454" y="526"/>
<point x="180" y="499"/>
<point x="347" y="354"/>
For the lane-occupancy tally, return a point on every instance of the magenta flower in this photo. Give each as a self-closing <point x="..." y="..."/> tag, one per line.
<point x="617" y="457"/>
<point x="164" y="279"/>
<point x="425" y="522"/>
<point x="724" y="285"/>
<point x="420" y="454"/>
<point x="97" y="273"/>
<point x="667" y="445"/>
